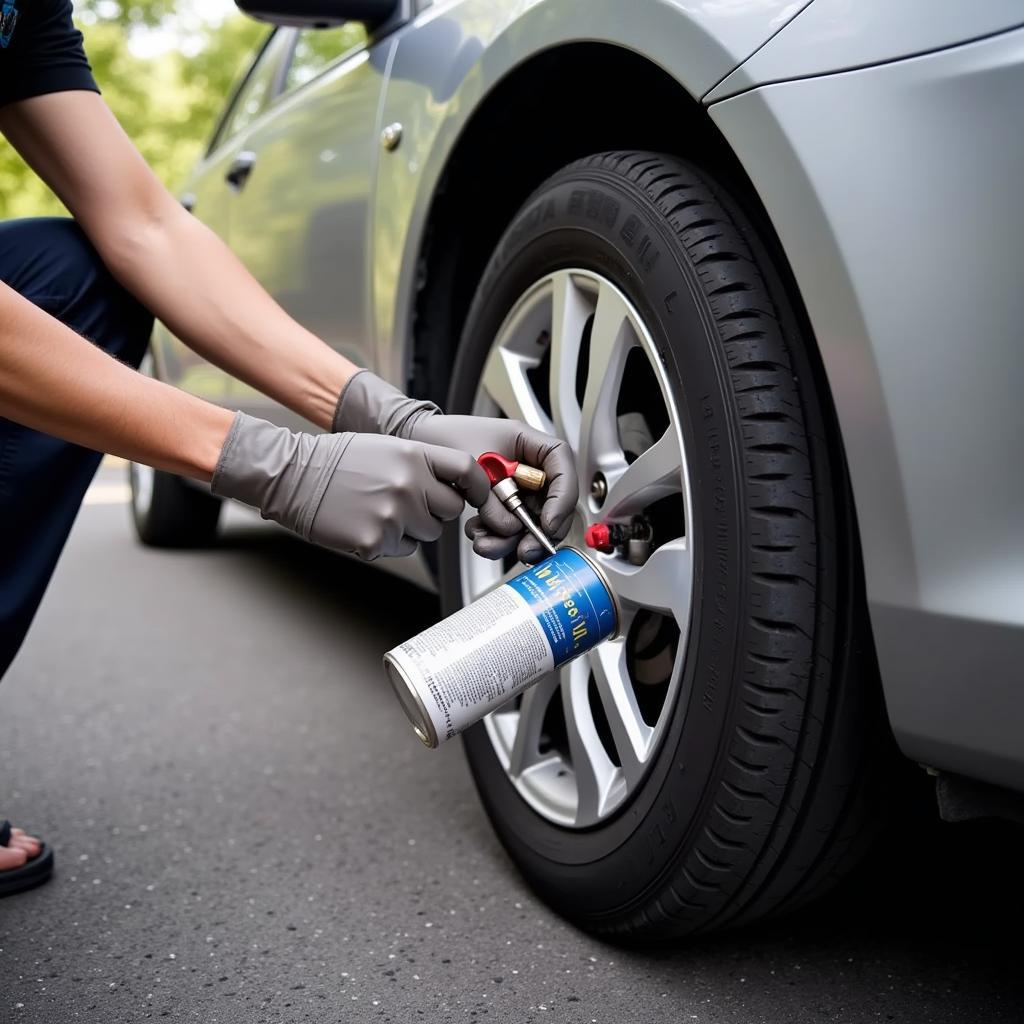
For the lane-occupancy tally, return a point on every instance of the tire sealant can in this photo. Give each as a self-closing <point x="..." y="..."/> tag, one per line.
<point x="454" y="673"/>
<point x="470" y="664"/>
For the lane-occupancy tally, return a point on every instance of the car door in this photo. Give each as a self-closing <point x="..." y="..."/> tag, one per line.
<point x="299" y="221"/>
<point x="208" y="193"/>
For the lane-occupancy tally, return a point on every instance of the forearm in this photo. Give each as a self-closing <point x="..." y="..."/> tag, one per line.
<point x="183" y="273"/>
<point x="57" y="382"/>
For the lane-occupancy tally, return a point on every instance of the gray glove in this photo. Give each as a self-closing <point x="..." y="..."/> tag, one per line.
<point x="359" y="493"/>
<point x="371" y="404"/>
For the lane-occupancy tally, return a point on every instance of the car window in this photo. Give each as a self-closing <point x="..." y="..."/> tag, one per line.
<point x="256" y="91"/>
<point x="317" y="49"/>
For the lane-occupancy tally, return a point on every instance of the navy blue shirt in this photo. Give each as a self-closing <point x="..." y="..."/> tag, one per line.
<point x="40" y="50"/>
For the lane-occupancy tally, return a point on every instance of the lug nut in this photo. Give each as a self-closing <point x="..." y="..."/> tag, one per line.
<point x="599" y="488"/>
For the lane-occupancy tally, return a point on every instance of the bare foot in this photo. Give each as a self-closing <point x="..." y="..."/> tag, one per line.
<point x="20" y="849"/>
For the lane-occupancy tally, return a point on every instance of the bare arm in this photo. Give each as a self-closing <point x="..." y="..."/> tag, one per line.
<point x="366" y="494"/>
<point x="55" y="381"/>
<point x="174" y="265"/>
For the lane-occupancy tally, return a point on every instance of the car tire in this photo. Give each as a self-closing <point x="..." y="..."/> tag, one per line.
<point x="763" y="788"/>
<point x="168" y="512"/>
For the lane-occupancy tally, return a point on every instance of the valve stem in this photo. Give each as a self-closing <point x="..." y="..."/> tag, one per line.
<point x="636" y="537"/>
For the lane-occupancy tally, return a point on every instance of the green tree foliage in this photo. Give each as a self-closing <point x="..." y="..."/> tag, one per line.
<point x="167" y="101"/>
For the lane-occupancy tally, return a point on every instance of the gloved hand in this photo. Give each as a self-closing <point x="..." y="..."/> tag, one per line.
<point x="359" y="493"/>
<point x="371" y="404"/>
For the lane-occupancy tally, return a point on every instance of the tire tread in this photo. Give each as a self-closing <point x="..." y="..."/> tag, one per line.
<point x="789" y="812"/>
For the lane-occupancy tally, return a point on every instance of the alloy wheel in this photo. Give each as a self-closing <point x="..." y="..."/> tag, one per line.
<point x="574" y="358"/>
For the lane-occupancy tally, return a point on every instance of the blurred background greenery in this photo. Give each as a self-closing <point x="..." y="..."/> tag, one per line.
<point x="166" y="68"/>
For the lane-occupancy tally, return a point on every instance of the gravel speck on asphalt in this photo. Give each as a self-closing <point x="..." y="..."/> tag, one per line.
<point x="247" y="831"/>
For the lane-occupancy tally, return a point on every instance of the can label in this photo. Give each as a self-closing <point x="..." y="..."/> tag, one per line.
<point x="479" y="658"/>
<point x="569" y="601"/>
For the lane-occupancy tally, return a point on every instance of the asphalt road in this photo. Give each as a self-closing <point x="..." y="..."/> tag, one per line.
<point x="247" y="832"/>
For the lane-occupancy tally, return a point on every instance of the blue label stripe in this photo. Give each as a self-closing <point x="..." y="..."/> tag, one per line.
<point x="570" y="601"/>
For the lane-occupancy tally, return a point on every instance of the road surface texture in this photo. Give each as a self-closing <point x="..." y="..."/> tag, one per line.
<point x="247" y="831"/>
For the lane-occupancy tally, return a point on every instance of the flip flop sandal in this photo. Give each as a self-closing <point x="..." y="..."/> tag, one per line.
<point x="32" y="873"/>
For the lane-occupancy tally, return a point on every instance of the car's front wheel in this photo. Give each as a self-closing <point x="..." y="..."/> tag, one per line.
<point x="706" y="767"/>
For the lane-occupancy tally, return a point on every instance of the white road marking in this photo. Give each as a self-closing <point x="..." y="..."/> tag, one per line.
<point x="108" y="494"/>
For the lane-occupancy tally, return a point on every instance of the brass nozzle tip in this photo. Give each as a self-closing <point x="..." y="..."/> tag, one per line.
<point x="528" y="478"/>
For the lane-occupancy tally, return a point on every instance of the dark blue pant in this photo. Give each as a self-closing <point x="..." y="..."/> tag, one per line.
<point x="42" y="479"/>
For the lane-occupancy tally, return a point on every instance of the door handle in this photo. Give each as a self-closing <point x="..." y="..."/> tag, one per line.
<point x="240" y="169"/>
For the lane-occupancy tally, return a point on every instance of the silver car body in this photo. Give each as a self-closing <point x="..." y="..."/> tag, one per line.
<point x="883" y="141"/>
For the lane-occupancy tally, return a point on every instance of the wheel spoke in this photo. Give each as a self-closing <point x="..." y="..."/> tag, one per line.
<point x="611" y="338"/>
<point x="630" y="733"/>
<point x="479" y="575"/>
<point x="526" y="746"/>
<point x="656" y="473"/>
<point x="663" y="583"/>
<point x="505" y="381"/>
<point x="594" y="772"/>
<point x="569" y="313"/>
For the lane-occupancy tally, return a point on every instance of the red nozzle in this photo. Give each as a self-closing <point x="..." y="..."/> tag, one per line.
<point x="497" y="467"/>
<point x="598" y="536"/>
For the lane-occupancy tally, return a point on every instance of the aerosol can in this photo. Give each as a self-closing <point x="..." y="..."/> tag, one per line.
<point x="453" y="674"/>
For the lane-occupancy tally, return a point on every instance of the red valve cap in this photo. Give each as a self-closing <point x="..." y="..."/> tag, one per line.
<point x="599" y="537"/>
<point x="497" y="467"/>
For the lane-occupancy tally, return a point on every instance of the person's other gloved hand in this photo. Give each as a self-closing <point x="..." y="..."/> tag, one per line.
<point x="362" y="494"/>
<point x="371" y="404"/>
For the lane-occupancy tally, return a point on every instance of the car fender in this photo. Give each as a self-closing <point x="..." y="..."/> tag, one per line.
<point x="836" y="35"/>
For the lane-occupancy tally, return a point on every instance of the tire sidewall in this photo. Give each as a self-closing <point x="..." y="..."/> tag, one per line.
<point x="593" y="220"/>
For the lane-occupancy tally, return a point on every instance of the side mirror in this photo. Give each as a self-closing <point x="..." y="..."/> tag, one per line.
<point x="319" y="13"/>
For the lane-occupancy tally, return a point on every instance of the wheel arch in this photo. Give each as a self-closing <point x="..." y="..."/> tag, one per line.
<point x="537" y="115"/>
<point x="449" y="67"/>
<point x="562" y="104"/>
